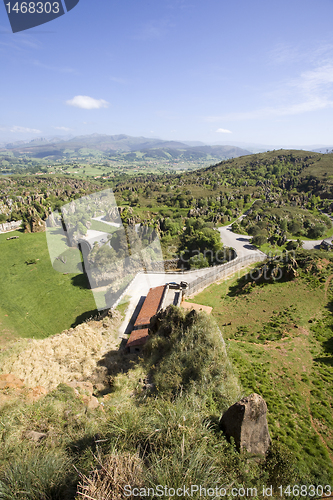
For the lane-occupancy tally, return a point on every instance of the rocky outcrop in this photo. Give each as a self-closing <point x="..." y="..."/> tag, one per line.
<point x="33" y="222"/>
<point x="246" y="423"/>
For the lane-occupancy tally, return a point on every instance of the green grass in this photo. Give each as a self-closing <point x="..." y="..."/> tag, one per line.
<point x="97" y="225"/>
<point x="35" y="299"/>
<point x="122" y="307"/>
<point x="279" y="338"/>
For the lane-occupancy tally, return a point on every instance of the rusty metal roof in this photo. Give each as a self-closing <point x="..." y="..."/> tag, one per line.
<point x="138" y="337"/>
<point x="150" y="306"/>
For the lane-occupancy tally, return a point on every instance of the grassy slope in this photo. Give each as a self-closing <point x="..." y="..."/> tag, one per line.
<point x="319" y="164"/>
<point x="36" y="300"/>
<point x="130" y="421"/>
<point x="293" y="374"/>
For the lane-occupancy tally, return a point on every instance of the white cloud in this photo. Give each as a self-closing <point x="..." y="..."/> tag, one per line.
<point x="117" y="80"/>
<point x="284" y="53"/>
<point x="65" y="129"/>
<point x="21" y="42"/>
<point x="312" y="90"/>
<point x="53" y="68"/>
<point x="24" y="130"/>
<point x="294" y="109"/>
<point x="316" y="80"/>
<point x="86" y="102"/>
<point x="309" y="53"/>
<point x="223" y="131"/>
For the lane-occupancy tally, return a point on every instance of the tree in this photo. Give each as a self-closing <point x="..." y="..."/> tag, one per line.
<point x="292" y="245"/>
<point x="198" y="238"/>
<point x="283" y="225"/>
<point x="119" y="243"/>
<point x="171" y="226"/>
<point x="15" y="216"/>
<point x="295" y="227"/>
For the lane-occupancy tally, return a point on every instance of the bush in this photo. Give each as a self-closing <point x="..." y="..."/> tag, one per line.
<point x="295" y="227"/>
<point x="292" y="245"/>
<point x="259" y="239"/>
<point x="281" y="466"/>
<point x="186" y="354"/>
<point x="198" y="262"/>
<point x="316" y="231"/>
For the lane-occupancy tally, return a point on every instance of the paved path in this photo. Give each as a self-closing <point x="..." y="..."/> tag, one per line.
<point x="239" y="242"/>
<point x="311" y="245"/>
<point x="92" y="236"/>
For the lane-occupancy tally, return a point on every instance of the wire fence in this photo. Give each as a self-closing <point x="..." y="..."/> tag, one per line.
<point x="219" y="272"/>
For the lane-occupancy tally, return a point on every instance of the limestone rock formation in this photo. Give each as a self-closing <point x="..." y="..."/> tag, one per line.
<point x="33" y="222"/>
<point x="246" y="422"/>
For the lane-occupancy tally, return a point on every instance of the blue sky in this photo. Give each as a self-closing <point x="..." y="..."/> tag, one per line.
<point x="213" y="71"/>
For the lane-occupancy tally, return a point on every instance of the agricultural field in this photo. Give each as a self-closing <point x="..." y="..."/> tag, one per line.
<point x="279" y="339"/>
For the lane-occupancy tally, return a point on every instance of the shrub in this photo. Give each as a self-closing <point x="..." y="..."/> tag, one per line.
<point x="186" y="354"/>
<point x="198" y="261"/>
<point x="316" y="231"/>
<point x="259" y="239"/>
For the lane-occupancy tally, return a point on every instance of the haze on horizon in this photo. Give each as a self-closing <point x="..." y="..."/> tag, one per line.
<point x="217" y="72"/>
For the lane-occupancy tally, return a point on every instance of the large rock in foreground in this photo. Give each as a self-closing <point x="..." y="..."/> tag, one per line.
<point x="246" y="422"/>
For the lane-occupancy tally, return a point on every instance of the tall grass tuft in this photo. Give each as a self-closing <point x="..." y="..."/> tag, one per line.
<point x="107" y="482"/>
<point x="39" y="474"/>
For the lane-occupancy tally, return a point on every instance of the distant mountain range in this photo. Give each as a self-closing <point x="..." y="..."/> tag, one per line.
<point x="122" y="142"/>
<point x="325" y="149"/>
<point x="110" y="145"/>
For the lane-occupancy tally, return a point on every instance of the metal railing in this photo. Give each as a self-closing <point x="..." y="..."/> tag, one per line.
<point x="219" y="272"/>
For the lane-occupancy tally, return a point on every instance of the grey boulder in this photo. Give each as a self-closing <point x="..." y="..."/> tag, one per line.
<point x="246" y="423"/>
